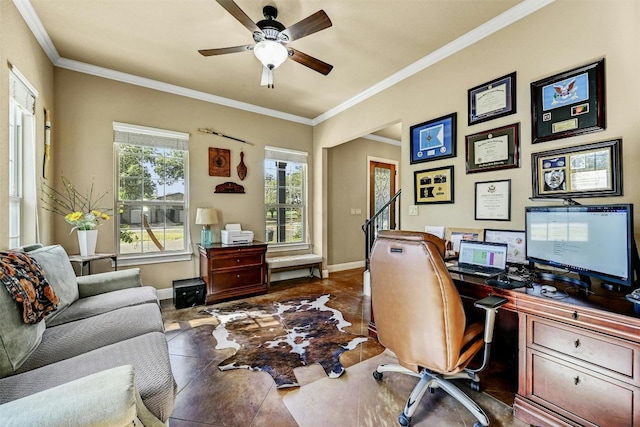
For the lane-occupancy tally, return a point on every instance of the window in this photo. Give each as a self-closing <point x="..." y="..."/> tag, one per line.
<point x="22" y="175"/>
<point x="285" y="198"/>
<point x="152" y="191"/>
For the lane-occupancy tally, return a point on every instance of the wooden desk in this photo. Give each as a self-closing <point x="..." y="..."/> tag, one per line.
<point x="578" y="356"/>
<point x="85" y="261"/>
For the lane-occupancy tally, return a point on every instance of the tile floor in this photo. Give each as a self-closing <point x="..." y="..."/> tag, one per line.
<point x="209" y="397"/>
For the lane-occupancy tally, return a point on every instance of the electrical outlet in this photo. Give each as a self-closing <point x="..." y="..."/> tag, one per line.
<point x="358" y="211"/>
<point x="413" y="210"/>
<point x="353" y="211"/>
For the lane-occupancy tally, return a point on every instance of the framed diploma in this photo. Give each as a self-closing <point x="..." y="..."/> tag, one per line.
<point x="568" y="104"/>
<point x="592" y="170"/>
<point x="491" y="100"/>
<point x="493" y="149"/>
<point x="433" y="140"/>
<point x="434" y="186"/>
<point x="493" y="200"/>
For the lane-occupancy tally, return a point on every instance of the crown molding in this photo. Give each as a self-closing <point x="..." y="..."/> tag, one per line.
<point x="378" y="138"/>
<point x="512" y="15"/>
<point x="506" y="18"/>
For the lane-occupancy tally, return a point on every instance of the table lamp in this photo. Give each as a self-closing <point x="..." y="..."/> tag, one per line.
<point x="206" y="217"/>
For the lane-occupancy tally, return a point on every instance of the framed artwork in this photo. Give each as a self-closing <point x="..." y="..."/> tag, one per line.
<point x="219" y="162"/>
<point x="491" y="100"/>
<point x="433" y="140"/>
<point x="493" y="149"/>
<point x="434" y="185"/>
<point x="568" y="104"/>
<point x="457" y="234"/>
<point x="592" y="170"/>
<point x="493" y="200"/>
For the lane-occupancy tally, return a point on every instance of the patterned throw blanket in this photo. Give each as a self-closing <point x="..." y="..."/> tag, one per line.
<point x="23" y="278"/>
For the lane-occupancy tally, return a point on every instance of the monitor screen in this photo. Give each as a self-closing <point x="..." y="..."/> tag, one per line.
<point x="594" y="241"/>
<point x="515" y="240"/>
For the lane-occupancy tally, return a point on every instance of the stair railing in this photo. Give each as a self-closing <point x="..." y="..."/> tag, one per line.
<point x="372" y="225"/>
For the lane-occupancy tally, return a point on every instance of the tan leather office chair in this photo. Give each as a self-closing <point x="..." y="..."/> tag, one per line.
<point x="419" y="316"/>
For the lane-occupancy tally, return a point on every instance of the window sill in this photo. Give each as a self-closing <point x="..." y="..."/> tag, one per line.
<point x="129" y="260"/>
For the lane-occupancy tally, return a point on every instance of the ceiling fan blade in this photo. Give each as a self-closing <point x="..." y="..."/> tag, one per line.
<point x="311" y="62"/>
<point x="309" y="25"/>
<point x="223" y="50"/>
<point x="235" y="11"/>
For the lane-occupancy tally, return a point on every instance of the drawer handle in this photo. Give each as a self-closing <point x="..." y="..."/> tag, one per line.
<point x="576" y="380"/>
<point x="575" y="315"/>
<point x="238" y="260"/>
<point x="238" y="276"/>
<point x="577" y="343"/>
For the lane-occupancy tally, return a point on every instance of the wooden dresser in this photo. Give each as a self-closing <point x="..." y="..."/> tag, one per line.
<point x="232" y="271"/>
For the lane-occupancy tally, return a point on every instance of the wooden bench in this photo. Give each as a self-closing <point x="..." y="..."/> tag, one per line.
<point x="293" y="262"/>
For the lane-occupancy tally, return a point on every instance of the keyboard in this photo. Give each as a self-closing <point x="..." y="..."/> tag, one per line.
<point x="473" y="271"/>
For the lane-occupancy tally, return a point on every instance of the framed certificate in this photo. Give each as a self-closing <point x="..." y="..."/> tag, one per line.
<point x="493" y="149"/>
<point x="434" y="186"/>
<point x="491" y="100"/>
<point x="568" y="104"/>
<point x="493" y="200"/>
<point x="590" y="170"/>
<point x="434" y="139"/>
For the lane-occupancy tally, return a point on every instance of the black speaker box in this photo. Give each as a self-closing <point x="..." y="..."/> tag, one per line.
<point x="188" y="292"/>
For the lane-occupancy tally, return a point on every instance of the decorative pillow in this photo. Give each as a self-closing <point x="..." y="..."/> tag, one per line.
<point x="24" y="279"/>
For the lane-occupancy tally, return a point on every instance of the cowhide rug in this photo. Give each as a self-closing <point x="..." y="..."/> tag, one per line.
<point x="278" y="337"/>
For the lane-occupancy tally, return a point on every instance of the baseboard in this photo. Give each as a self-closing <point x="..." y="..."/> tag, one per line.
<point x="345" y="266"/>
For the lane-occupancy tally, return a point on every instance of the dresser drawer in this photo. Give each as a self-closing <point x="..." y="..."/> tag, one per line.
<point x="253" y="276"/>
<point x="591" y="398"/>
<point x="237" y="260"/>
<point x="602" y="351"/>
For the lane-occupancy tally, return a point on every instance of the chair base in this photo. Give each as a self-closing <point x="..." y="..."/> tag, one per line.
<point x="431" y="380"/>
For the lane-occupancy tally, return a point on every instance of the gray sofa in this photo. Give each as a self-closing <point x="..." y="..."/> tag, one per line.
<point x="101" y="358"/>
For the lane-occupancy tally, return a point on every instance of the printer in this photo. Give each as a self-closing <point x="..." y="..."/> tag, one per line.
<point x="233" y="234"/>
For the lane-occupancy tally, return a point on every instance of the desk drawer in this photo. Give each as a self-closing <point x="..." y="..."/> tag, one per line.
<point x="238" y="260"/>
<point x="253" y="276"/>
<point x="591" y="398"/>
<point x="590" y="347"/>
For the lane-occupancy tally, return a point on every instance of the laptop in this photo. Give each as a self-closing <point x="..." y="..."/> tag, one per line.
<point x="484" y="259"/>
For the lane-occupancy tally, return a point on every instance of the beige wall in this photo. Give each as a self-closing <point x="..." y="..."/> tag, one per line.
<point x="19" y="48"/>
<point x="86" y="108"/>
<point x="543" y="44"/>
<point x="348" y="173"/>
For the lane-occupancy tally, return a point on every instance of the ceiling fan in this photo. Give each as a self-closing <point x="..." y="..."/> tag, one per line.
<point x="271" y="38"/>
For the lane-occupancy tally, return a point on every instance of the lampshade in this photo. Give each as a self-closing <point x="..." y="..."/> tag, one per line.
<point x="206" y="216"/>
<point x="271" y="54"/>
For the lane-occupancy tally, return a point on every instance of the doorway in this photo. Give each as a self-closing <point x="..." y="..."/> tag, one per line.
<point x="382" y="187"/>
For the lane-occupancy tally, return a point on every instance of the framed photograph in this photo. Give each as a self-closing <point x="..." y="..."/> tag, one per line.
<point x="568" y="104"/>
<point x="491" y="100"/>
<point x="456" y="234"/>
<point x="434" y="186"/>
<point x="592" y="170"/>
<point x="493" y="200"/>
<point x="493" y="149"/>
<point x="433" y="140"/>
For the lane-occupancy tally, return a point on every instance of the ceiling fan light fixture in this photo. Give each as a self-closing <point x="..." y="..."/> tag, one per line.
<point x="272" y="54"/>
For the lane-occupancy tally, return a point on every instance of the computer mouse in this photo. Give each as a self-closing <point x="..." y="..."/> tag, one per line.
<point x="548" y="289"/>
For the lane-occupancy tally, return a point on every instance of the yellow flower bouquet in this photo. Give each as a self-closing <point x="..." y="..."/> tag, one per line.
<point x="79" y="209"/>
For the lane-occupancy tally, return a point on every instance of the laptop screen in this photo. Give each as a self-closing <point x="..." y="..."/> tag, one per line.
<point x="483" y="254"/>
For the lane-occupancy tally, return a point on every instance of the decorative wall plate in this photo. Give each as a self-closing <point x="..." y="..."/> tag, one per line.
<point x="219" y="162"/>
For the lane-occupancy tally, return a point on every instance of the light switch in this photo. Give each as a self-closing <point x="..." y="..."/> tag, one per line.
<point x="413" y="210"/>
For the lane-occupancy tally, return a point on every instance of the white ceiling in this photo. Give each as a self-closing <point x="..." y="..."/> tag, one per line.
<point x="372" y="44"/>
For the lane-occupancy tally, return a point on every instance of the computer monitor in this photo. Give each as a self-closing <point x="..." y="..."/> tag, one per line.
<point x="515" y="240"/>
<point x="594" y="241"/>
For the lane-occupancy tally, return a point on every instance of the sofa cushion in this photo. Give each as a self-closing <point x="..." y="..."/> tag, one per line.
<point x="148" y="354"/>
<point x="59" y="272"/>
<point x="103" y="303"/>
<point x="22" y="276"/>
<point x="17" y="339"/>
<point x="71" y="339"/>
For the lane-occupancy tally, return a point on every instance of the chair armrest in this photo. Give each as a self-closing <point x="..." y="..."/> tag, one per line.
<point x="108" y="397"/>
<point x="101" y="283"/>
<point x="490" y="305"/>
